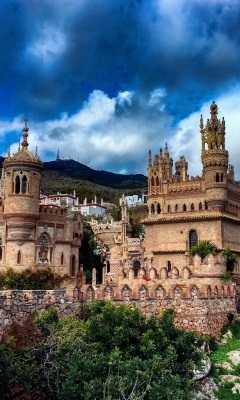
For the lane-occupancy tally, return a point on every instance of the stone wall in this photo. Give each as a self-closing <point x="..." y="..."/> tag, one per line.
<point x="17" y="305"/>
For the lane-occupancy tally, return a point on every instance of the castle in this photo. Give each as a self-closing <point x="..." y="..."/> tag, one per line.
<point x="155" y="271"/>
<point x="32" y="235"/>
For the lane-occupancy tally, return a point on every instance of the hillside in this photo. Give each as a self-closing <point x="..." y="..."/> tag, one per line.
<point x="69" y="175"/>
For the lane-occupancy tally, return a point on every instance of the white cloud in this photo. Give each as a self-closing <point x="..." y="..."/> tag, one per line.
<point x="97" y="136"/>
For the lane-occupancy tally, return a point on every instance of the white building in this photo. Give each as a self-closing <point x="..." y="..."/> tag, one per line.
<point x="133" y="200"/>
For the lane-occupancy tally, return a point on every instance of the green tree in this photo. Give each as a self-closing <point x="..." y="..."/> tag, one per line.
<point x="106" y="353"/>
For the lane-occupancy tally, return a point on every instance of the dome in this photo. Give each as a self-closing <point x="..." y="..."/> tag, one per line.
<point x="23" y="155"/>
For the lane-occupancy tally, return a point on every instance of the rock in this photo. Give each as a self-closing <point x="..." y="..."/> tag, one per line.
<point x="236" y="388"/>
<point x="234" y="356"/>
<point x="228" y="378"/>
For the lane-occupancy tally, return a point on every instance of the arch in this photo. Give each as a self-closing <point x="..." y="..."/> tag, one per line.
<point x="158" y="208"/>
<point x="90" y="294"/>
<point x="19" y="257"/>
<point x="160" y="293"/>
<point x="192" y="207"/>
<point x="163" y="273"/>
<point x="184" y="207"/>
<point x="44" y="242"/>
<point x="169" y="208"/>
<point x="192" y="238"/>
<point x="152" y="273"/>
<point x="1" y="254"/>
<point x="152" y="209"/>
<point x="176" y="208"/>
<point x="152" y="181"/>
<point x="17" y="184"/>
<point x="24" y="184"/>
<point x="136" y="268"/>
<point x="206" y="206"/>
<point x="73" y="266"/>
<point x="143" y="293"/>
<point x="175" y="273"/>
<point x="217" y="177"/>
<point x="222" y="177"/>
<point x="177" y="292"/>
<point x="200" y="206"/>
<point x="186" y="273"/>
<point x="215" y="291"/>
<point x="157" y="181"/>
<point x="126" y="293"/>
<point x="107" y="293"/>
<point x="194" y="293"/>
<point x="62" y="259"/>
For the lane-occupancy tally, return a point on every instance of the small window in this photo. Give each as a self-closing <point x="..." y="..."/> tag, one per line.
<point x="169" y="208"/>
<point x="152" y="181"/>
<point x="1" y="254"/>
<point x="192" y="207"/>
<point x="217" y="177"/>
<point x="24" y="184"/>
<point x="17" y="185"/>
<point x="158" y="209"/>
<point x="184" y="207"/>
<point x="73" y="266"/>
<point x="176" y="208"/>
<point x="169" y="266"/>
<point x="19" y="257"/>
<point x="200" y="206"/>
<point x="152" y="209"/>
<point x="62" y="259"/>
<point x="108" y="266"/>
<point x="193" y="238"/>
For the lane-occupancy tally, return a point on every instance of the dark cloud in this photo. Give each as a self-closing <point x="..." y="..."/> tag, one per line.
<point x="165" y="58"/>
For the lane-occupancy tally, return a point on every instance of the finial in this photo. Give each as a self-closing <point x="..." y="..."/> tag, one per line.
<point x="149" y="158"/>
<point x="25" y="135"/>
<point x="19" y="145"/>
<point x="166" y="153"/>
<point x="213" y="110"/>
<point x="9" y="153"/>
<point x="36" y="154"/>
<point x="201" y="122"/>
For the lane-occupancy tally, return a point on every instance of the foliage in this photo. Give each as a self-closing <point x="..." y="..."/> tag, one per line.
<point x="226" y="276"/>
<point x="29" y="280"/>
<point x="116" y="212"/>
<point x="203" y="248"/>
<point x="87" y="257"/>
<point x="105" y="353"/>
<point x="136" y="215"/>
<point x="231" y="258"/>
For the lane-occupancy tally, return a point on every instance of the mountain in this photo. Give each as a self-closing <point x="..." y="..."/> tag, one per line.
<point x="74" y="169"/>
<point x="69" y="175"/>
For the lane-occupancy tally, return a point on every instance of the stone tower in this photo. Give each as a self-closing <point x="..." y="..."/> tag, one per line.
<point x="214" y="160"/>
<point x="22" y="176"/>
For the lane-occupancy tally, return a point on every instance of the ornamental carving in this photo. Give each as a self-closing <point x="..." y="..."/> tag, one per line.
<point x="184" y="186"/>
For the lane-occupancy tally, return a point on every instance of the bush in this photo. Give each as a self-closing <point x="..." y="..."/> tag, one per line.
<point x="29" y="280"/>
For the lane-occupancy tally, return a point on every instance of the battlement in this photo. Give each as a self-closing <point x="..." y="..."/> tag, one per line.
<point x="54" y="210"/>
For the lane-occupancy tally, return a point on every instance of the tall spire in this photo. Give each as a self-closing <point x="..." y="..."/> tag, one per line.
<point x="25" y="135"/>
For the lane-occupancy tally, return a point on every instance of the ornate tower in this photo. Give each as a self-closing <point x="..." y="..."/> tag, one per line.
<point x="22" y="175"/>
<point x="214" y="160"/>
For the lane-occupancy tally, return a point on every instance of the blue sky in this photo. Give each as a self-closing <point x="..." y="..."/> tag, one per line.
<point x="106" y="80"/>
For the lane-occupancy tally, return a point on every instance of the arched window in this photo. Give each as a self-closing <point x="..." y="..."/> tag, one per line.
<point x="152" y="209"/>
<point x="19" y="257"/>
<point x="73" y="266"/>
<point x="17" y="184"/>
<point x="192" y="207"/>
<point x="136" y="267"/>
<point x="221" y="177"/>
<point x="158" y="208"/>
<point x="206" y="206"/>
<point x="24" y="184"/>
<point x="200" y="206"/>
<point x="217" y="177"/>
<point x="184" y="207"/>
<point x="193" y="238"/>
<point x="152" y="181"/>
<point x="157" y="181"/>
<point x="176" y="208"/>
<point x="169" y="209"/>
<point x="62" y="259"/>
<point x="1" y="254"/>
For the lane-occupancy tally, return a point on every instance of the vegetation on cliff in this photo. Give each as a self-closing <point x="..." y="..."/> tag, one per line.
<point x="103" y="353"/>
